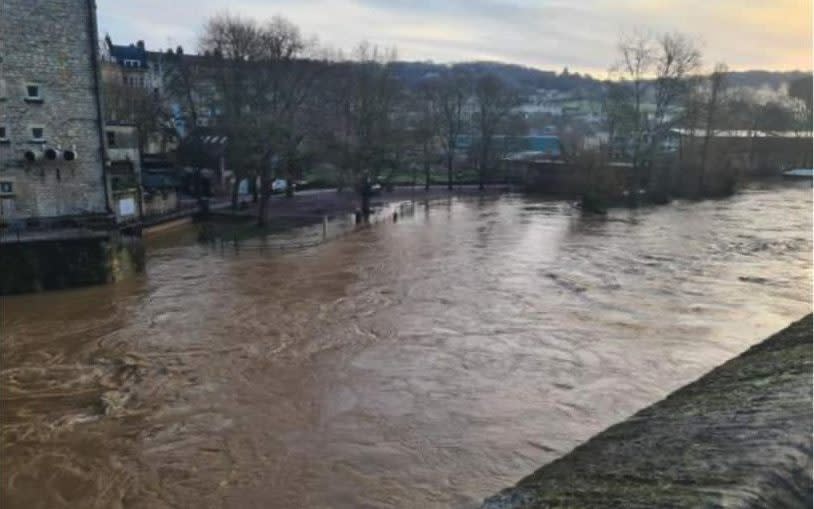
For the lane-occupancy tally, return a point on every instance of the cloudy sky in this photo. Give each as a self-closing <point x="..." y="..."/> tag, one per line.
<point x="548" y="34"/>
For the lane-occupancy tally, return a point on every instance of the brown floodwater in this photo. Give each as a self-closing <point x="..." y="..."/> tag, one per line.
<point x="426" y="362"/>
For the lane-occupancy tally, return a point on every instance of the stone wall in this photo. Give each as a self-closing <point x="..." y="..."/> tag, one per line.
<point x="49" y="43"/>
<point x="738" y="437"/>
<point x="68" y="263"/>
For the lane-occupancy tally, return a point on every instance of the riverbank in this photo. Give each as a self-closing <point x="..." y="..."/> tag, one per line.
<point x="337" y="211"/>
<point x="740" y="436"/>
<point x="315" y="204"/>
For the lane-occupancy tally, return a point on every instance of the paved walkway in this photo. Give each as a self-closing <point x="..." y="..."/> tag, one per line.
<point x="330" y="202"/>
<point x="738" y="437"/>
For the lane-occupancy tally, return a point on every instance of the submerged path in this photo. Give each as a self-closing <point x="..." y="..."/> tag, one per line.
<point x="738" y="437"/>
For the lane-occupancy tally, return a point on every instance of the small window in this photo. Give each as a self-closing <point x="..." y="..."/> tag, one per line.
<point x="37" y="134"/>
<point x="111" y="138"/>
<point x="33" y="93"/>
<point x="3" y="93"/>
<point x="3" y="134"/>
<point x="6" y="187"/>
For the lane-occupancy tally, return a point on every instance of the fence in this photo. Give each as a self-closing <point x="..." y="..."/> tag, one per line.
<point x="311" y="230"/>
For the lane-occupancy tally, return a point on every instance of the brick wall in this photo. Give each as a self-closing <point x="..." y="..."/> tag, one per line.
<point x="50" y="43"/>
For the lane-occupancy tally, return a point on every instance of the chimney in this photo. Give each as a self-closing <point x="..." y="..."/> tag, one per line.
<point x="140" y="45"/>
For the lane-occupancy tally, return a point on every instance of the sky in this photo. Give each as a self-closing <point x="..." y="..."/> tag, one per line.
<point x="547" y="34"/>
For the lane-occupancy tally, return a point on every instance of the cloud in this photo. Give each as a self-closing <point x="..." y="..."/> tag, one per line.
<point x="540" y="33"/>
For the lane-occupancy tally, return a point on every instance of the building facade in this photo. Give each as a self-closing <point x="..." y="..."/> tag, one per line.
<point x="51" y="128"/>
<point x="124" y="171"/>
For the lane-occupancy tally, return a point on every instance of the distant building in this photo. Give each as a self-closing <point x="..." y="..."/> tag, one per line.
<point x="124" y="171"/>
<point x="127" y="64"/>
<point x="160" y="193"/>
<point x="203" y="155"/>
<point x="594" y="141"/>
<point x="749" y="151"/>
<point x="51" y="128"/>
<point x="544" y="146"/>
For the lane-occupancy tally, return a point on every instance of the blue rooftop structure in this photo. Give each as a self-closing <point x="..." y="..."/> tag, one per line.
<point x="132" y="55"/>
<point x="545" y="144"/>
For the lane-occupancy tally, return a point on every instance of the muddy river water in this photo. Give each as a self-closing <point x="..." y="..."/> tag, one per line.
<point x="423" y="363"/>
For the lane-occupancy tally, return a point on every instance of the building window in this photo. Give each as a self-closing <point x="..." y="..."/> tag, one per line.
<point x="3" y="134"/>
<point x="111" y="138"/>
<point x="37" y="134"/>
<point x="33" y="92"/>
<point x="3" y="93"/>
<point x="6" y="187"/>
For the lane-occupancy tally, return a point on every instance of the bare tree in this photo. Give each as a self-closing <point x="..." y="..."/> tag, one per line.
<point x="656" y="69"/>
<point x="234" y="42"/>
<point x="428" y="127"/>
<point x="451" y="92"/>
<point x="283" y="82"/>
<point x="494" y="102"/>
<point x="137" y="106"/>
<point x="677" y="59"/>
<point x="184" y="81"/>
<point x="364" y="95"/>
<point x="802" y="89"/>
<point x="716" y="85"/>
<point x="619" y="114"/>
<point x="636" y="58"/>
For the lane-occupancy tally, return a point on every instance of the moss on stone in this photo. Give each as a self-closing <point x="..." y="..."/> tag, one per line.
<point x="738" y="437"/>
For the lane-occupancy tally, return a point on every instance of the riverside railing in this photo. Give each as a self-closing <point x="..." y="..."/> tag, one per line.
<point x="309" y="230"/>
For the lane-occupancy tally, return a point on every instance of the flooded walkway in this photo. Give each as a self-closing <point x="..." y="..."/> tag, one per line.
<point x="424" y="363"/>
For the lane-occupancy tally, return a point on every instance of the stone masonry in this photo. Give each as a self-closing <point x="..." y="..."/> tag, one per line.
<point x="50" y="44"/>
<point x="739" y="437"/>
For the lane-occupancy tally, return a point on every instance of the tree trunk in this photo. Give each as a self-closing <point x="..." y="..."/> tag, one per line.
<point x="633" y="196"/>
<point x="366" y="199"/>
<point x="426" y="175"/>
<point x="263" y="194"/>
<point x="482" y="167"/>
<point x="449" y="171"/>
<point x="289" y="175"/>
<point x="235" y="186"/>
<point x="253" y="186"/>
<point x="196" y="183"/>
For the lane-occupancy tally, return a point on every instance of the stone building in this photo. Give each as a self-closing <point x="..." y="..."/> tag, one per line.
<point x="127" y="62"/>
<point x="56" y="226"/>
<point x="124" y="170"/>
<point x="51" y="129"/>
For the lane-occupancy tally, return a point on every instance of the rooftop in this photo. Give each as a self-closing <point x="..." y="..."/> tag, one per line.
<point x="742" y="133"/>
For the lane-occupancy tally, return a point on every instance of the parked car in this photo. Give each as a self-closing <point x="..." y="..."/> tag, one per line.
<point x="279" y="185"/>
